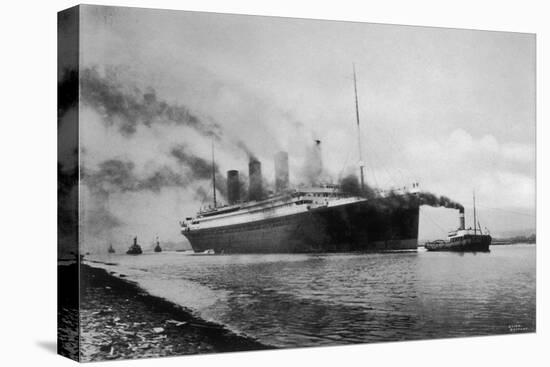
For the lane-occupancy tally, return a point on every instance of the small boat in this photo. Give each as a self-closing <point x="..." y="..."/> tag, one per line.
<point x="135" y="249"/>
<point x="463" y="240"/>
<point x="111" y="250"/>
<point x="157" y="247"/>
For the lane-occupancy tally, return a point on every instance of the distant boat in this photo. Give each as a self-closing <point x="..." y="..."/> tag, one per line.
<point x="135" y="249"/>
<point x="463" y="240"/>
<point x="157" y="247"/>
<point x="111" y="250"/>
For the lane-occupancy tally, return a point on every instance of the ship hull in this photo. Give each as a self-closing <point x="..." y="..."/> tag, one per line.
<point x="474" y="243"/>
<point x="374" y="225"/>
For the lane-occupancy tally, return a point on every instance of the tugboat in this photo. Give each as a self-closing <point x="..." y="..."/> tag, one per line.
<point x="135" y="249"/>
<point x="463" y="240"/>
<point x="111" y="250"/>
<point x="157" y="247"/>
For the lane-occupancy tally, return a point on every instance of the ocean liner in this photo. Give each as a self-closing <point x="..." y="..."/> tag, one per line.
<point x="318" y="218"/>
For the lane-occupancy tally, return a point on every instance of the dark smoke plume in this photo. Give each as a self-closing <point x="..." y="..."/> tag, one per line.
<point x="250" y="155"/>
<point x="115" y="175"/>
<point x="350" y="185"/>
<point x="130" y="108"/>
<point x="422" y="198"/>
<point x="118" y="176"/>
<point x="200" y="168"/>
<point x="67" y="163"/>
<point x="427" y="198"/>
<point x="67" y="92"/>
<point x="67" y="196"/>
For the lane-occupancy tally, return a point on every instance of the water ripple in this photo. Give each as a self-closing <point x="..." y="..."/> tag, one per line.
<point x="306" y="300"/>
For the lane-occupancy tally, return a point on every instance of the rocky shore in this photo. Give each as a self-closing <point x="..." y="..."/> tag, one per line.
<point x="119" y="320"/>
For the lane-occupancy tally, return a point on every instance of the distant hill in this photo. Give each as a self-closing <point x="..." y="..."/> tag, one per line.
<point x="515" y="233"/>
<point x="504" y="237"/>
<point x="515" y="239"/>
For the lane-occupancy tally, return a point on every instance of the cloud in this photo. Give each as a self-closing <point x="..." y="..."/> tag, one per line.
<point x="520" y="153"/>
<point x="502" y="173"/>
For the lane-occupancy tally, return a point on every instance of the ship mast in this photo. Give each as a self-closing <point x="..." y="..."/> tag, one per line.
<point x="475" y="223"/>
<point x="361" y="165"/>
<point x="213" y="175"/>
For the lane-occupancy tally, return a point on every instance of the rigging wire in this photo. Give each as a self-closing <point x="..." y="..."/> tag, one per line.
<point x="392" y="180"/>
<point x="434" y="222"/>
<point x="403" y="181"/>
<point x="507" y="210"/>
<point x="371" y="166"/>
<point x="412" y="177"/>
<point x="344" y="166"/>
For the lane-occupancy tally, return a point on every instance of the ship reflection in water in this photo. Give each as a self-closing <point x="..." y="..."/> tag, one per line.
<point x="291" y="300"/>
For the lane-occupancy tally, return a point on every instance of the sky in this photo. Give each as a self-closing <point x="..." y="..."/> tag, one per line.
<point x="451" y="109"/>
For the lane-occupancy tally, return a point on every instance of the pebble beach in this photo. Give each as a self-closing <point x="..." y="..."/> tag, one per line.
<point x="119" y="320"/>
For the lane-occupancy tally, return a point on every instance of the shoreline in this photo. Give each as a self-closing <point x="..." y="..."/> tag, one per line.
<point x="119" y="320"/>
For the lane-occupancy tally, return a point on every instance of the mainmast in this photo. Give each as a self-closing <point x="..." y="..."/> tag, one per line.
<point x="213" y="175"/>
<point x="361" y="165"/>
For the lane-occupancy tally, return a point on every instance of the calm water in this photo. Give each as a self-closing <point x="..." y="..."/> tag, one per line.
<point x="302" y="300"/>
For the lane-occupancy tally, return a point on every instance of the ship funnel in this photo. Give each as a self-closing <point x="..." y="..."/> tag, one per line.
<point x="255" y="179"/>
<point x="461" y="217"/>
<point x="233" y="187"/>
<point x="313" y="169"/>
<point x="281" y="172"/>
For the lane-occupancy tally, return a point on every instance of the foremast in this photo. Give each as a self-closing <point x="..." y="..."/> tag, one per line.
<point x="361" y="164"/>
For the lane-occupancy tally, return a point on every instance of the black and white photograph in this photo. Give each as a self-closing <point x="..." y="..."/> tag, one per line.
<point x="237" y="183"/>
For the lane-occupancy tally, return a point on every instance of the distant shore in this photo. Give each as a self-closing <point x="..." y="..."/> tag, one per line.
<point x="119" y="320"/>
<point x="499" y="242"/>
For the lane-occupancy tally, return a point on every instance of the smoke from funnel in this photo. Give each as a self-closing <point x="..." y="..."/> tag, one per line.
<point x="350" y="185"/>
<point x="430" y="199"/>
<point x="128" y="108"/>
<point x="427" y="198"/>
<point x="241" y="145"/>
